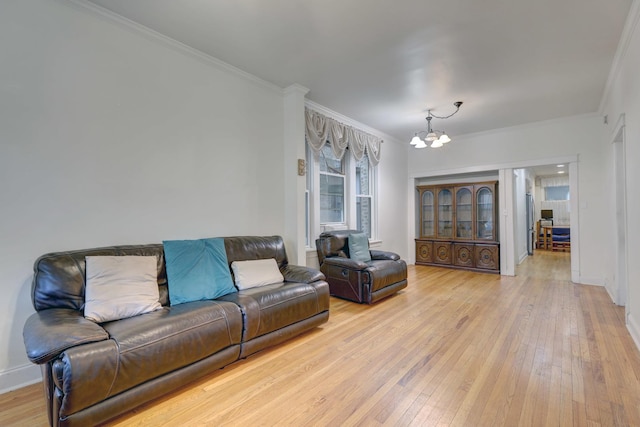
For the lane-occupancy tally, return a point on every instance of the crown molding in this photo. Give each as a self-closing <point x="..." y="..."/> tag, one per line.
<point x="295" y="88"/>
<point x="630" y="27"/>
<point x="525" y="126"/>
<point x="491" y="168"/>
<point x="171" y="43"/>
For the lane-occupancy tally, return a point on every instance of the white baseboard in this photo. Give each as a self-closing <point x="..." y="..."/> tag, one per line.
<point x="612" y="294"/>
<point x="596" y="281"/>
<point x="19" y="377"/>
<point x="522" y="257"/>
<point x="634" y="330"/>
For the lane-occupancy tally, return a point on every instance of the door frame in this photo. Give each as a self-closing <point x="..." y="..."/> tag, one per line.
<point x="618" y="149"/>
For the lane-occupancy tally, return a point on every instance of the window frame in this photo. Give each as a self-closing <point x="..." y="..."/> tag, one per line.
<point x="359" y="195"/>
<point x="344" y="163"/>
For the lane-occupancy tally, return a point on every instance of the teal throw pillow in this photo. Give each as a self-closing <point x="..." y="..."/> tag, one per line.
<point x="359" y="247"/>
<point x="197" y="270"/>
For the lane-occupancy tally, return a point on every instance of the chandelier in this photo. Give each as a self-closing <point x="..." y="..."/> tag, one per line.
<point x="437" y="138"/>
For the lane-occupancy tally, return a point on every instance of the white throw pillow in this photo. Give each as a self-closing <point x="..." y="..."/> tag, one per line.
<point x="120" y="286"/>
<point x="254" y="273"/>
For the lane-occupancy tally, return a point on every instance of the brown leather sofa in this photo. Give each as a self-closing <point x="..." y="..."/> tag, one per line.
<point x="93" y="372"/>
<point x="354" y="280"/>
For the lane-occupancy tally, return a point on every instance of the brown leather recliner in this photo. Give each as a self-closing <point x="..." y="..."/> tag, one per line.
<point x="363" y="282"/>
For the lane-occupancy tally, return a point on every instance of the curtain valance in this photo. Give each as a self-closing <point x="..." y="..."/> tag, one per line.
<point x="320" y="129"/>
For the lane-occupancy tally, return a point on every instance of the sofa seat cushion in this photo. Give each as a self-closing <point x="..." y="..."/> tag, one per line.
<point x="145" y="347"/>
<point x="272" y="307"/>
<point x="386" y="272"/>
<point x="174" y="337"/>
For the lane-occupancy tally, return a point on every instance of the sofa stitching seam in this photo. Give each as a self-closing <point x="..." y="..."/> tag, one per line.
<point x="286" y="300"/>
<point x="164" y="337"/>
<point x="117" y="370"/>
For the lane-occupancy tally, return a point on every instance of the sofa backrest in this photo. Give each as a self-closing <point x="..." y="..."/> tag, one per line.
<point x="333" y="243"/>
<point x="244" y="248"/>
<point x="59" y="277"/>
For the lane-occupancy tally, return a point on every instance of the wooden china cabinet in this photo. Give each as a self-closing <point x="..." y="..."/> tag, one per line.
<point x="458" y="226"/>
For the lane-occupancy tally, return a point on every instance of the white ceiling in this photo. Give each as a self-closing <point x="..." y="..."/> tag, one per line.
<point x="384" y="63"/>
<point x="550" y="170"/>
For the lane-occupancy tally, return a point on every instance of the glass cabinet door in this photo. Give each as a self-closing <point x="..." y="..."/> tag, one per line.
<point x="428" y="214"/>
<point x="464" y="213"/>
<point x="485" y="214"/>
<point x="445" y="213"/>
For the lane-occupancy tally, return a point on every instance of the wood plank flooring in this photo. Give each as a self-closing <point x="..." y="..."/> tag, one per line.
<point x="455" y="348"/>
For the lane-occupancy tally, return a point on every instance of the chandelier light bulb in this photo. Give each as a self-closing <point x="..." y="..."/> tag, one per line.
<point x="444" y="138"/>
<point x="416" y="140"/>
<point x="436" y="144"/>
<point x="431" y="136"/>
<point x="420" y="144"/>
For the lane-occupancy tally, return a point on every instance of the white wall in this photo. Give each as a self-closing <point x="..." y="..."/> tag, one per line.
<point x="110" y="136"/>
<point x="623" y="97"/>
<point x="392" y="199"/>
<point x="518" y="147"/>
<point x="520" y="212"/>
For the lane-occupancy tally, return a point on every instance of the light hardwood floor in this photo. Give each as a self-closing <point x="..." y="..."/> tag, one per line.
<point x="453" y="349"/>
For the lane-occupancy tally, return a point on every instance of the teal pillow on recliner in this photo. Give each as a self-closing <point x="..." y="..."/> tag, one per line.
<point x="197" y="270"/>
<point x="359" y="247"/>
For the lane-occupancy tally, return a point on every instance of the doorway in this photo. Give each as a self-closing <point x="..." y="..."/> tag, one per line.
<point x="620" y="245"/>
<point x="513" y="235"/>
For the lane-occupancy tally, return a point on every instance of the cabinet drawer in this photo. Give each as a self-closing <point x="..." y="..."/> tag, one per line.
<point x="424" y="251"/>
<point x="442" y="252"/>
<point x="487" y="257"/>
<point x="463" y="254"/>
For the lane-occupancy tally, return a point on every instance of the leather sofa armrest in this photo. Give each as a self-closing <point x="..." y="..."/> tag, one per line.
<point x="47" y="333"/>
<point x="301" y="274"/>
<point x="392" y="256"/>
<point x="346" y="263"/>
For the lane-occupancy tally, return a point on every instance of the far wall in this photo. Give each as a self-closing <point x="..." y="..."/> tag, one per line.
<point x="517" y="147"/>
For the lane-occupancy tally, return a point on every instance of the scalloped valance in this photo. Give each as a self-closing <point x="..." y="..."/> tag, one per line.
<point x="320" y="129"/>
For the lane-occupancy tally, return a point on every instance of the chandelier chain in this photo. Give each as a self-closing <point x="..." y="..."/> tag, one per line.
<point x="457" y="105"/>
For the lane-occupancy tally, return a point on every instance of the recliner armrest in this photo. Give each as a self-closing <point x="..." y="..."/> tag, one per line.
<point x="48" y="333"/>
<point x="301" y="274"/>
<point x="346" y="263"/>
<point x="376" y="254"/>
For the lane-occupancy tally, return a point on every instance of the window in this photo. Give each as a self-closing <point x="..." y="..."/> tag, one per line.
<point x="560" y="192"/>
<point x="363" y="196"/>
<point x="332" y="187"/>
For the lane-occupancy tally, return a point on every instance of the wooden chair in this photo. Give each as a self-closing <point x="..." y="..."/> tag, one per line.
<point x="542" y="242"/>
